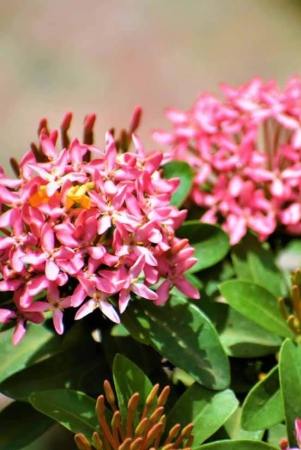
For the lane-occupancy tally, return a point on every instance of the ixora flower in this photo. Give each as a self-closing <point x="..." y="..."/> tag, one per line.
<point x="88" y="232"/>
<point x="245" y="151"/>
<point x="145" y="434"/>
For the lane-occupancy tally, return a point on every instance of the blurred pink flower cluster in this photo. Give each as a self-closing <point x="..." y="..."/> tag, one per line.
<point x="246" y="154"/>
<point x="85" y="232"/>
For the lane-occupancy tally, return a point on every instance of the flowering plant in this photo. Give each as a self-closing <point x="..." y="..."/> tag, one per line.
<point x="104" y="254"/>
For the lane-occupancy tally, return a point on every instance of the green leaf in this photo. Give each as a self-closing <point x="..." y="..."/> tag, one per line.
<point x="276" y="433"/>
<point x="243" y="338"/>
<point x="207" y="410"/>
<point x="128" y="379"/>
<point x="21" y="424"/>
<point x="64" y="370"/>
<point x="179" y="331"/>
<point x="235" y="431"/>
<point x="182" y="170"/>
<point x="237" y="445"/>
<point x="256" y="303"/>
<point x="263" y="406"/>
<point x="290" y="382"/>
<point x="74" y="410"/>
<point x="14" y="358"/>
<point x="254" y="261"/>
<point x="211" y="243"/>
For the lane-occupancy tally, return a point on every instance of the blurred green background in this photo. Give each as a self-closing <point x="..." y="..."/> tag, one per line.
<point x="108" y="56"/>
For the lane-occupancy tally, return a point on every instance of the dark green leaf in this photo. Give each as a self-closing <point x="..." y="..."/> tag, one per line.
<point x="237" y="445"/>
<point x="207" y="410"/>
<point x="211" y="243"/>
<point x="180" y="332"/>
<point x="65" y="370"/>
<point x="74" y="410"/>
<point x="128" y="379"/>
<point x="256" y="303"/>
<point x="243" y="338"/>
<point x="254" y="261"/>
<point x="182" y="170"/>
<point x="15" y="357"/>
<point x="290" y="382"/>
<point x="21" y="424"/>
<point x="263" y="406"/>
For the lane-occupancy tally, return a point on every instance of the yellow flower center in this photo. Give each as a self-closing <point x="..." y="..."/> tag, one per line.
<point x="78" y="195"/>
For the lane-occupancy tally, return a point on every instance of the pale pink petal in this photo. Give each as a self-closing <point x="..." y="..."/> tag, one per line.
<point x="108" y="310"/>
<point x="51" y="270"/>
<point x="143" y="291"/>
<point x="124" y="298"/>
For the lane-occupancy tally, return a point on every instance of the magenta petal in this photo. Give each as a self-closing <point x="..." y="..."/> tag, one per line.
<point x="163" y="292"/>
<point x="58" y="321"/>
<point x="19" y="332"/>
<point x="86" y="309"/>
<point x="78" y="296"/>
<point x="6" y="315"/>
<point x="298" y="430"/>
<point x="47" y="237"/>
<point x="10" y="285"/>
<point x="187" y="289"/>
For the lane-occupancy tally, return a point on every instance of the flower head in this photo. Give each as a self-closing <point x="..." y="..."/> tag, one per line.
<point x="85" y="227"/>
<point x="246" y="154"/>
<point x="145" y="434"/>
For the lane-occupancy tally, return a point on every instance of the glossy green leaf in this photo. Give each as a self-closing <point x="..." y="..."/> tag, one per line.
<point x="276" y="433"/>
<point x="254" y="261"/>
<point x="235" y="430"/>
<point x="243" y="338"/>
<point x="74" y="410"/>
<point x="21" y="424"/>
<point x="64" y="370"/>
<point x="15" y="357"/>
<point x="211" y="243"/>
<point x="263" y="406"/>
<point x="256" y="303"/>
<point x="207" y="410"/>
<point x="237" y="445"/>
<point x="182" y="170"/>
<point x="180" y="332"/>
<point x="290" y="382"/>
<point x="128" y="379"/>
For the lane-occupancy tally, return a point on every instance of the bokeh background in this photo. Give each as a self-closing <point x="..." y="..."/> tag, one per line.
<point x="108" y="56"/>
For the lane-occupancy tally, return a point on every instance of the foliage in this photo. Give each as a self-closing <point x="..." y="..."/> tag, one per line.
<point x="231" y="359"/>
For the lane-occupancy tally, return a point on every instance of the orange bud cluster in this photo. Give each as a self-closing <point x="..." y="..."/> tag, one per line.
<point x="147" y="435"/>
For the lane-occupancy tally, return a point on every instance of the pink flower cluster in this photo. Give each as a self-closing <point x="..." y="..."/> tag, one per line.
<point x="88" y="232"/>
<point x="246" y="154"/>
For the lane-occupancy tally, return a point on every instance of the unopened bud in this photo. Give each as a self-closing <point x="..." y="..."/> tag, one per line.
<point x="136" y="118"/>
<point x="81" y="442"/>
<point x="96" y="441"/>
